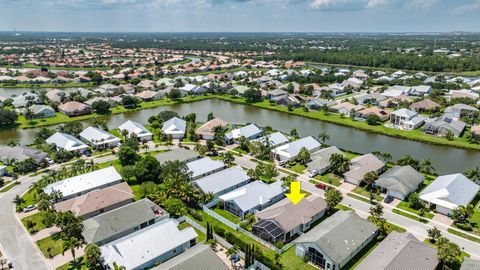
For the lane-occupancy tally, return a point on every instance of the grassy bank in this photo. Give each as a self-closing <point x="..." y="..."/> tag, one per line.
<point x="415" y="135"/>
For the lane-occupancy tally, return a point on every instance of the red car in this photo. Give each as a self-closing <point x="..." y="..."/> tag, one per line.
<point x="321" y="186"/>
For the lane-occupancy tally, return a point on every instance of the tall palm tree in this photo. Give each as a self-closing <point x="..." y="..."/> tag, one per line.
<point x="323" y="136"/>
<point x="72" y="244"/>
<point x="426" y="167"/>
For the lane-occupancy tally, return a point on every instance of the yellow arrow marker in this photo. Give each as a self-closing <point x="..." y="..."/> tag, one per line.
<point x="295" y="196"/>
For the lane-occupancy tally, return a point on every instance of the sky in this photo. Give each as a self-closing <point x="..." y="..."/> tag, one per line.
<point x="240" y="15"/>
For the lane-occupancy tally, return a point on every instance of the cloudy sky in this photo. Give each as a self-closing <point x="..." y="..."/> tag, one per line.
<point x="240" y="15"/>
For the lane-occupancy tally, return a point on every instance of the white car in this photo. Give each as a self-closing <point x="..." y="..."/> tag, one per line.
<point x="29" y="208"/>
<point x="49" y="161"/>
<point x="312" y="173"/>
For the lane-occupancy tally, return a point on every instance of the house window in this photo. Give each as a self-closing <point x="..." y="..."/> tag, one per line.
<point x="316" y="257"/>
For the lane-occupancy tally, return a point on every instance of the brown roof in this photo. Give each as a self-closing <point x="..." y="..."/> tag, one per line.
<point x="72" y="106"/>
<point x="425" y="104"/>
<point x="382" y="114"/>
<point x="347" y="106"/>
<point x="289" y="216"/>
<point x="207" y="128"/>
<point x="146" y="94"/>
<point x="96" y="200"/>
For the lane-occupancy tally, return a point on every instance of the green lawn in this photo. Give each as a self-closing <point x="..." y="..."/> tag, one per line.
<point x="291" y="261"/>
<point x="37" y="219"/>
<point x="136" y="192"/>
<point x="355" y="196"/>
<point x="54" y="241"/>
<point x="396" y="211"/>
<point x="466" y="236"/>
<point x="231" y="217"/>
<point x="78" y="265"/>
<point x="366" y="192"/>
<point x="29" y="198"/>
<point x="330" y="178"/>
<point x="298" y="168"/>
<point x="201" y="236"/>
<point x="406" y="206"/>
<point x="8" y="187"/>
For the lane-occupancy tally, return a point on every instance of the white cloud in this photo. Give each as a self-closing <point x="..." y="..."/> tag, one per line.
<point x="420" y="4"/>
<point x="473" y="6"/>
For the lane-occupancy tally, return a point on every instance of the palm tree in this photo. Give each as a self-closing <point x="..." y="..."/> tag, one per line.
<point x="370" y="177"/>
<point x="72" y="244"/>
<point x="18" y="200"/>
<point x="426" y="167"/>
<point x="118" y="267"/>
<point x="339" y="164"/>
<point x="29" y="115"/>
<point x="323" y="136"/>
<point x="92" y="256"/>
<point x="124" y="133"/>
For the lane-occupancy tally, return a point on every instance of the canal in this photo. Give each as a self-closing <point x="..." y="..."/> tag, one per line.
<point x="445" y="159"/>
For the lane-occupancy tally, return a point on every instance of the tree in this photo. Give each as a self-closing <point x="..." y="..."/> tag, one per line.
<point x="409" y="160"/>
<point x="127" y="155"/>
<point x="434" y="234"/>
<point x="42" y="135"/>
<point x="252" y="95"/>
<point x="174" y="93"/>
<point x="71" y="244"/>
<point x="339" y="164"/>
<point x="415" y="202"/>
<point x="7" y="117"/>
<point x="303" y="156"/>
<point x="201" y="149"/>
<point x="101" y="107"/>
<point x="148" y="169"/>
<point x="462" y="213"/>
<point x="294" y="133"/>
<point x="447" y="252"/>
<point x="97" y="78"/>
<point x="450" y="136"/>
<point x="228" y="159"/>
<point x="129" y="101"/>
<point x="333" y="197"/>
<point x="73" y="128"/>
<point x="92" y="256"/>
<point x="323" y="136"/>
<point x="373" y="120"/>
<point x="29" y="114"/>
<point x="210" y="116"/>
<point x="426" y="167"/>
<point x="166" y="115"/>
<point x="127" y="172"/>
<point x="18" y="200"/>
<point x="370" y="177"/>
<point x="175" y="207"/>
<point x="473" y="174"/>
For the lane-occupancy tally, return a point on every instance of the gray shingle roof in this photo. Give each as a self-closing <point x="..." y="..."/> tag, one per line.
<point x="200" y="257"/>
<point x="122" y="219"/>
<point x="275" y="139"/>
<point x="340" y="235"/>
<point x="400" y="251"/>
<point x="180" y="154"/>
<point x="403" y="179"/>
<point x="321" y="158"/>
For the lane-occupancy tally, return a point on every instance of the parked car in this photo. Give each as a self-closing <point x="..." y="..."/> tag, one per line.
<point x="321" y="186"/>
<point x="49" y="161"/>
<point x="388" y="199"/>
<point x="312" y="173"/>
<point x="283" y="163"/>
<point x="88" y="153"/>
<point x="29" y="208"/>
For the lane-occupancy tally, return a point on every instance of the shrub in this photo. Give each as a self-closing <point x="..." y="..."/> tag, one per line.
<point x="464" y="226"/>
<point x="196" y="215"/>
<point x="219" y="231"/>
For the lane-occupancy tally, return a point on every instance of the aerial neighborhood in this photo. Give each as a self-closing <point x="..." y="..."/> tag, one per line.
<point x="127" y="157"/>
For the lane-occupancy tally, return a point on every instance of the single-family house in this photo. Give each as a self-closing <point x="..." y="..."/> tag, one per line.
<point x="97" y="201"/>
<point x="285" y="220"/>
<point x="459" y="110"/>
<point x="206" y="130"/>
<point x="406" y="119"/>
<point x="149" y="95"/>
<point x="320" y="103"/>
<point x="200" y="256"/>
<point x="178" y="154"/>
<point x="426" y="105"/>
<point x="250" y="132"/>
<point x="400" y="181"/>
<point x="142" y="133"/>
<point x="320" y="160"/>
<point x="41" y="111"/>
<point x="74" y="108"/>
<point x="448" y="192"/>
<point x="273" y="140"/>
<point x="20" y="153"/>
<point x="203" y="167"/>
<point x="144" y="248"/>
<point x="346" y="108"/>
<point x="67" y="142"/>
<point x="191" y="89"/>
<point x="333" y="243"/>
<point x="223" y="181"/>
<point x="252" y="197"/>
<point x="373" y="98"/>
<point x="353" y="82"/>
<point x="24" y="100"/>
<point x="84" y="183"/>
<point x="119" y="222"/>
<point x="360" y="166"/>
<point x="382" y="114"/>
<point x="400" y="251"/>
<point x="99" y="138"/>
<point x="290" y="150"/>
<point x="56" y="95"/>
<point x="175" y="127"/>
<point x="276" y="93"/>
<point x="441" y="126"/>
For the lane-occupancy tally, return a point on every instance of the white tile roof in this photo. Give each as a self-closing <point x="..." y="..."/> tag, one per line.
<point x="66" y="141"/>
<point x="450" y="191"/>
<point x="222" y="180"/>
<point x="134" y="127"/>
<point x="254" y="194"/>
<point x="292" y="149"/>
<point x="98" y="136"/>
<point x="174" y="125"/>
<point x="205" y="165"/>
<point x="146" y="245"/>
<point x="85" y="182"/>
